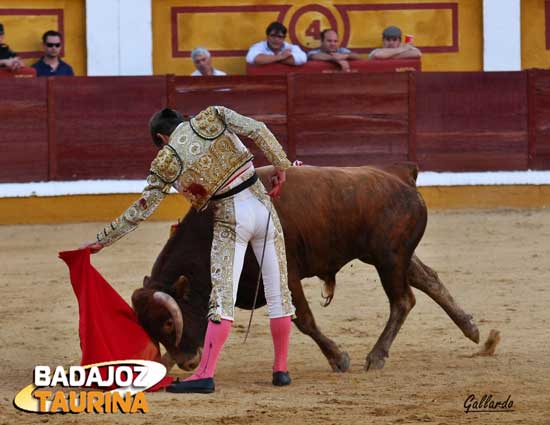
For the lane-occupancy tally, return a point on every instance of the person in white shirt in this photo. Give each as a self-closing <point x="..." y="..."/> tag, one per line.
<point x="274" y="49"/>
<point x="203" y="62"/>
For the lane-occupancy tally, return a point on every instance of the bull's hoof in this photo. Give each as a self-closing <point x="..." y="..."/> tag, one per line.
<point x="471" y="331"/>
<point x="469" y="328"/>
<point x="374" y="362"/>
<point x="342" y="364"/>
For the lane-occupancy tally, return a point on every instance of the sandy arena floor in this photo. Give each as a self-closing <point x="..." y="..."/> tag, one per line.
<point x="495" y="264"/>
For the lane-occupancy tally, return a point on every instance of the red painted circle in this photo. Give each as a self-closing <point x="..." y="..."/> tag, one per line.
<point x="303" y="10"/>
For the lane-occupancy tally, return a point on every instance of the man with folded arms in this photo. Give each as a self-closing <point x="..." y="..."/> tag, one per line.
<point x="392" y="48"/>
<point x="275" y="49"/>
<point x="329" y="51"/>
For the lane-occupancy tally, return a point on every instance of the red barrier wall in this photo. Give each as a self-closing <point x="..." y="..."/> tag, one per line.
<point x="101" y="126"/>
<point x="96" y="127"/>
<point x="23" y="72"/>
<point x="471" y="121"/>
<point x="23" y="130"/>
<point x="314" y="67"/>
<point x="361" y="121"/>
<point x="539" y="119"/>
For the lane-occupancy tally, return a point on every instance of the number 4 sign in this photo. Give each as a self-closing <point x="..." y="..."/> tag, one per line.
<point x="306" y="25"/>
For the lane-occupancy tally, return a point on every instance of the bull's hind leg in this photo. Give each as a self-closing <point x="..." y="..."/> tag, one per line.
<point x="393" y="278"/>
<point x="422" y="277"/>
<point x="338" y="360"/>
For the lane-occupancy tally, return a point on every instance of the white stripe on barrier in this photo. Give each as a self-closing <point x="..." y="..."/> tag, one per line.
<point x="428" y="178"/>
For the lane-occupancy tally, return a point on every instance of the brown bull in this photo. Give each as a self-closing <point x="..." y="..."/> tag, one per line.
<point x="330" y="216"/>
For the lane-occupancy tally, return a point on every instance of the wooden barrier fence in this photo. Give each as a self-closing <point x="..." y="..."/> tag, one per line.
<point x="96" y="127"/>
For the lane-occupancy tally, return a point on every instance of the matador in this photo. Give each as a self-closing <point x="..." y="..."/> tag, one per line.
<point x="205" y="160"/>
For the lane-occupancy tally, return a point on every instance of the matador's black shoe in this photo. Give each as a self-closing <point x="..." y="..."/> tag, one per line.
<point x="280" y="379"/>
<point x="201" y="386"/>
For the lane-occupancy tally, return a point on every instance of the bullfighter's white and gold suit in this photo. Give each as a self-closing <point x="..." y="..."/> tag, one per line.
<point x="205" y="158"/>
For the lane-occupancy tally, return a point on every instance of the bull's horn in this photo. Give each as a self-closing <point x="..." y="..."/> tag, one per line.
<point x="172" y="306"/>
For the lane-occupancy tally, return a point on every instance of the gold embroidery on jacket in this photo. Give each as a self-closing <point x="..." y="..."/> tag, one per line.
<point x="259" y="133"/>
<point x="221" y="261"/>
<point x="167" y="165"/>
<point x="211" y="170"/>
<point x="208" y="124"/>
<point x="199" y="159"/>
<point x="271" y="147"/>
<point x="150" y="199"/>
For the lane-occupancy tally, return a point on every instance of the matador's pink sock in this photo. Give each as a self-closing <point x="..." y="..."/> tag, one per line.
<point x="216" y="335"/>
<point x="280" y="332"/>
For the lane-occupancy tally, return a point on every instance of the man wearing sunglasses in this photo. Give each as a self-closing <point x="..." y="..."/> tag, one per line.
<point x="392" y="48"/>
<point x="274" y="49"/>
<point x="51" y="64"/>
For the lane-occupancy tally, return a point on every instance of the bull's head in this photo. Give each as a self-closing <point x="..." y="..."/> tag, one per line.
<point x="171" y="317"/>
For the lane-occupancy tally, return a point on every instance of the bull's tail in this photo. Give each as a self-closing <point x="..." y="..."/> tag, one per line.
<point x="327" y="292"/>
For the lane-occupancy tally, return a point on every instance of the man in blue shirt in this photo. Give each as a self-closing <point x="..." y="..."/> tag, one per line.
<point x="50" y="64"/>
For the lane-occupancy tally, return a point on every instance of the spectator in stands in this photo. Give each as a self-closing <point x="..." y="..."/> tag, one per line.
<point x="274" y="49"/>
<point x="330" y="52"/>
<point x="203" y="62"/>
<point x="392" y="48"/>
<point x="8" y="58"/>
<point x="51" y="64"/>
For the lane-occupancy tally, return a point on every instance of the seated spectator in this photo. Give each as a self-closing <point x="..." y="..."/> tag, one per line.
<point x="274" y="49"/>
<point x="8" y="58"/>
<point x="392" y="47"/>
<point x="50" y="64"/>
<point x="203" y="62"/>
<point x="329" y="51"/>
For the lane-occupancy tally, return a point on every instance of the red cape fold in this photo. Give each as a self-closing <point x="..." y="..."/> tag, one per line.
<point x="108" y="326"/>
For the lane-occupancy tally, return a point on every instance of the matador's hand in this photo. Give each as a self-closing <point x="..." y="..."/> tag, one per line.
<point x="95" y="247"/>
<point x="277" y="181"/>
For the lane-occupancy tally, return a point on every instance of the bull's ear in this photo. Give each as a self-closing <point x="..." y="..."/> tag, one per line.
<point x="182" y="287"/>
<point x="146" y="280"/>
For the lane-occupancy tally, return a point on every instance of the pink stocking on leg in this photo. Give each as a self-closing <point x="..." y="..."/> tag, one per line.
<point x="280" y="332"/>
<point x="216" y="335"/>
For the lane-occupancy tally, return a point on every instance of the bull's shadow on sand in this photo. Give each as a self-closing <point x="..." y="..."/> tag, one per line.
<point x="330" y="216"/>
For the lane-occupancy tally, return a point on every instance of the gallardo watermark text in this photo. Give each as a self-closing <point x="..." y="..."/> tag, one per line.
<point x="487" y="403"/>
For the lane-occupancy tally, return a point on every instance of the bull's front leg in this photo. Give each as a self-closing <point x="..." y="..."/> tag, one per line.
<point x="338" y="360"/>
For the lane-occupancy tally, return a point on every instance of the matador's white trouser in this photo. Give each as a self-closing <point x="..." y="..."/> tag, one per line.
<point x="238" y="220"/>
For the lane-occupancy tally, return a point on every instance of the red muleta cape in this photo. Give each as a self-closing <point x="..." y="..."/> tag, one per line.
<point x="108" y="326"/>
